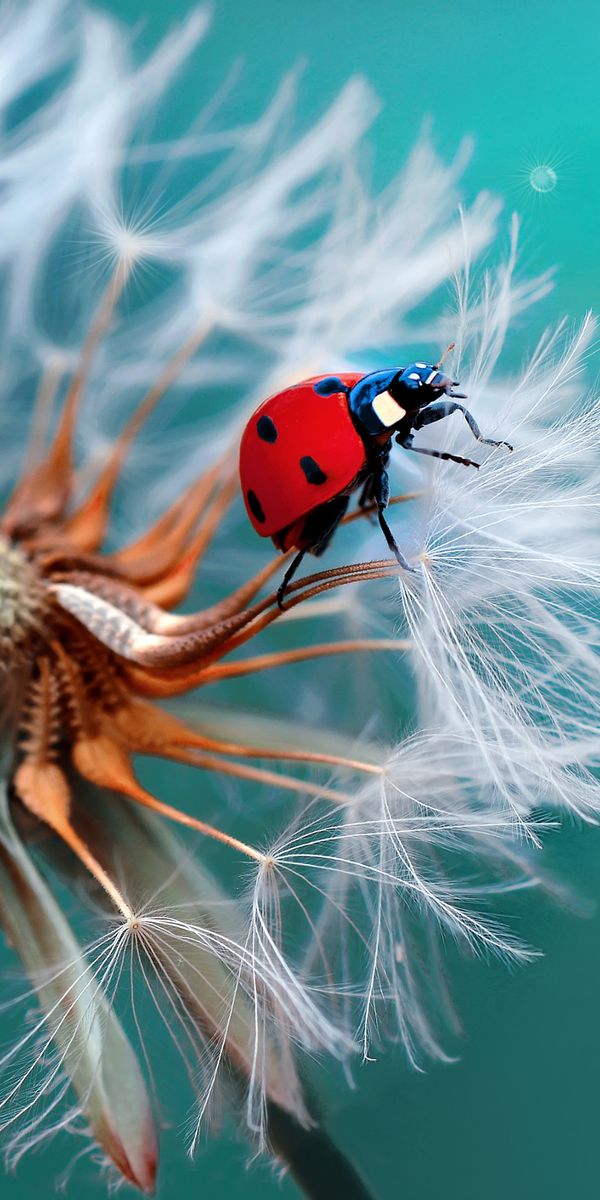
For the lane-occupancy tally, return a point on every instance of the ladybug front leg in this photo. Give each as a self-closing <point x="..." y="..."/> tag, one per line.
<point x="381" y="494"/>
<point x="445" y="408"/>
<point x="406" y="444"/>
<point x="366" y="498"/>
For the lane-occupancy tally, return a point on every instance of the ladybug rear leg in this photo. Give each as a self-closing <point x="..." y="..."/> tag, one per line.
<point x="381" y="494"/>
<point x="319" y="528"/>
<point x="289" y="575"/>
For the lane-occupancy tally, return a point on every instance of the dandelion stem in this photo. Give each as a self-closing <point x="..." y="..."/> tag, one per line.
<point x="182" y="818"/>
<point x="166" y="378"/>
<point x="242" y="750"/>
<point x="61" y="449"/>
<point x="78" y="846"/>
<point x="46" y="395"/>
<point x="87" y="525"/>
<point x="338" y="577"/>
<point x="160" y="673"/>
<point x="152" y="554"/>
<point x="234" y="603"/>
<point x="207" y="762"/>
<point x="280" y="658"/>
<point x="229" y="607"/>
<point x="43" y="492"/>
<point x="301" y="756"/>
<point x="175" y="585"/>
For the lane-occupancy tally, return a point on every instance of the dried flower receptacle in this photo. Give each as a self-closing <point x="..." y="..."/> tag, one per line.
<point x="90" y="639"/>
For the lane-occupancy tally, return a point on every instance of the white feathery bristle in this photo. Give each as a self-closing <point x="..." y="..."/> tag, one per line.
<point x="502" y="613"/>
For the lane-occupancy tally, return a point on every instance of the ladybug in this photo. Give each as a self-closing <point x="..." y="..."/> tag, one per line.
<point x="306" y="449"/>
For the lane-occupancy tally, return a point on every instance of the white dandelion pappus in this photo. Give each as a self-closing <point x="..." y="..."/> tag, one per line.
<point x="235" y="1014"/>
<point x="503" y="616"/>
<point x="234" y="1006"/>
<point x="382" y="879"/>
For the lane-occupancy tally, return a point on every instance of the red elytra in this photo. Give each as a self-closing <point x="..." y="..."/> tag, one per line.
<point x="299" y="449"/>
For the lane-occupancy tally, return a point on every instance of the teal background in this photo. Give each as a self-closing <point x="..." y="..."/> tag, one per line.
<point x="522" y="78"/>
<point x="518" y="1115"/>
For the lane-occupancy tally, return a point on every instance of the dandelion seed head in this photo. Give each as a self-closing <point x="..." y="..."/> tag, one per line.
<point x="278" y="263"/>
<point x="22" y="605"/>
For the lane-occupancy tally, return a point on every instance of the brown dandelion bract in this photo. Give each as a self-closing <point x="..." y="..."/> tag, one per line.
<point x="90" y="643"/>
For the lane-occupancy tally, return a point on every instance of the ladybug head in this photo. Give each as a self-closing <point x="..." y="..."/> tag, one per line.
<point x="419" y="384"/>
<point x="381" y="401"/>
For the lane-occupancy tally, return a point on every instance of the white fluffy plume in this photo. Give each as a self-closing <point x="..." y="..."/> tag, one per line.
<point x="251" y="256"/>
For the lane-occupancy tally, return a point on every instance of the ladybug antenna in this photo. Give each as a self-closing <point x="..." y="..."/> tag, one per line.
<point x="445" y="354"/>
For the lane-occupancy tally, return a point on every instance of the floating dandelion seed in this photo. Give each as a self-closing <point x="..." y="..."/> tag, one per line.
<point x="543" y="178"/>
<point x="541" y="172"/>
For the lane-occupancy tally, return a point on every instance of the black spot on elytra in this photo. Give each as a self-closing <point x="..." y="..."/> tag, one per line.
<point x="255" y="506"/>
<point x="312" y="470"/>
<point x="266" y="429"/>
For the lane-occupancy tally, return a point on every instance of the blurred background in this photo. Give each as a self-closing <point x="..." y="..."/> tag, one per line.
<point x="522" y="79"/>
<point x="517" y="1114"/>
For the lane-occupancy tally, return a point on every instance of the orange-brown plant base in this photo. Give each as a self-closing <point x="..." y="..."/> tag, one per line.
<point x="88" y="639"/>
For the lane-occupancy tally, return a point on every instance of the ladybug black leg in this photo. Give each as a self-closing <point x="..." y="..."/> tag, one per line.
<point x="289" y="575"/>
<point x="319" y="528"/>
<point x="381" y="493"/>
<point x="444" y="408"/>
<point x="366" y="498"/>
<point x="366" y="493"/>
<point x="464" y="462"/>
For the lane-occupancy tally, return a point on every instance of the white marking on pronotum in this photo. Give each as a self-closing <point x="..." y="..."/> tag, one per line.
<point x="430" y="377"/>
<point x="414" y="375"/>
<point x="387" y="409"/>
